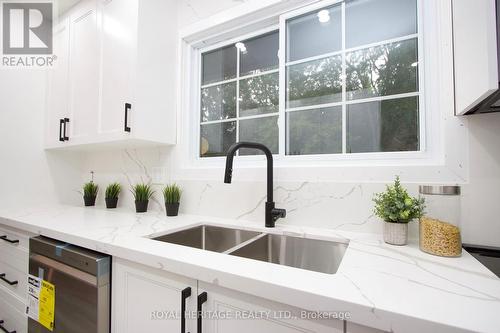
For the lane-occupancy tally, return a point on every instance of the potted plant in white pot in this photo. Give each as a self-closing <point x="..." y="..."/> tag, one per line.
<point x="172" y="196"/>
<point x="397" y="208"/>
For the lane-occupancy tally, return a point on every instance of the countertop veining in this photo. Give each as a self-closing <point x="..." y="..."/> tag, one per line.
<point x="397" y="289"/>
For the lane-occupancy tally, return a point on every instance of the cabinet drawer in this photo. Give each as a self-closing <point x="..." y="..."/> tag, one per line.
<point x="12" y="313"/>
<point x="17" y="258"/>
<point x="14" y="238"/>
<point x="12" y="275"/>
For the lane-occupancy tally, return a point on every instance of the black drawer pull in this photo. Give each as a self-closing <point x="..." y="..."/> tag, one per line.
<point x="65" y="137"/>
<point x="186" y="293"/>
<point x="128" y="106"/>
<point x="202" y="298"/>
<point x="4" y="329"/>
<point x="4" y="279"/>
<point x="61" y="123"/>
<point x="12" y="241"/>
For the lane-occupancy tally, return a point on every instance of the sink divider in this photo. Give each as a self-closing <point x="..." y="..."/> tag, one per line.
<point x="245" y="243"/>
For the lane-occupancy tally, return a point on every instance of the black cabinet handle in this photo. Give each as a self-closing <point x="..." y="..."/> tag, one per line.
<point x="4" y="329"/>
<point x="4" y="279"/>
<point x="202" y="298"/>
<point x="186" y="293"/>
<point x="65" y="137"/>
<point x="12" y="241"/>
<point x="128" y="106"/>
<point x="61" y="123"/>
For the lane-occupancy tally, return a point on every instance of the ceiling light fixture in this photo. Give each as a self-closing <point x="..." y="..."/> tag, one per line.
<point x="324" y="16"/>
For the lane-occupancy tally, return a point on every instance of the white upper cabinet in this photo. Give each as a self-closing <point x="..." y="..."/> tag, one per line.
<point x="118" y="54"/>
<point x="475" y="52"/>
<point x="58" y="86"/>
<point x="114" y="81"/>
<point x="83" y="72"/>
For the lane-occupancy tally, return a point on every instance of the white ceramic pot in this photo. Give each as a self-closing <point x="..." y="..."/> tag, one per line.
<point x="396" y="233"/>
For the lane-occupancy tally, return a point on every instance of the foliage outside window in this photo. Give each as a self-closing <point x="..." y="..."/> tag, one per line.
<point x="351" y="84"/>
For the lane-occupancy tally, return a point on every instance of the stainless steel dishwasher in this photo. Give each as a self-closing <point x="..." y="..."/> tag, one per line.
<point x="82" y="280"/>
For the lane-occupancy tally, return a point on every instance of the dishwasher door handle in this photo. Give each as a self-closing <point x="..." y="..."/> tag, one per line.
<point x="12" y="241"/>
<point x="4" y="279"/>
<point x="4" y="329"/>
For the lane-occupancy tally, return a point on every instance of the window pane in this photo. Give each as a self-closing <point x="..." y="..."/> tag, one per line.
<point x="259" y="95"/>
<point x="370" y="21"/>
<point x="383" y="126"/>
<point x="219" y="65"/>
<point x="217" y="138"/>
<point x="314" y="131"/>
<point x="261" y="130"/>
<point x="218" y="102"/>
<point x="314" y="82"/>
<point x="260" y="54"/>
<point x="383" y="70"/>
<point x="313" y="34"/>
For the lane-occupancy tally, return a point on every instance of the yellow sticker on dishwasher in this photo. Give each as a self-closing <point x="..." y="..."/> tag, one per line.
<point x="47" y="305"/>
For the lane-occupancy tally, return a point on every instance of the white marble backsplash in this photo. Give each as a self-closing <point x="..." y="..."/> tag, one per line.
<point x="341" y="206"/>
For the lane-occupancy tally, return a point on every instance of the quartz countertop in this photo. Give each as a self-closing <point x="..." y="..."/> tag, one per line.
<point x="396" y="289"/>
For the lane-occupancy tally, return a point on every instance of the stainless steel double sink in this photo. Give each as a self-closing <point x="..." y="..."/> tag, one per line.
<point x="304" y="253"/>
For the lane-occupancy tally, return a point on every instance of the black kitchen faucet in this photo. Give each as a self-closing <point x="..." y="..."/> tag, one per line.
<point x="272" y="213"/>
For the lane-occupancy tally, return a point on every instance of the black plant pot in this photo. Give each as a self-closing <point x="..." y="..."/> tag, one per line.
<point x="89" y="201"/>
<point x="172" y="209"/>
<point x="111" y="202"/>
<point x="141" y="206"/>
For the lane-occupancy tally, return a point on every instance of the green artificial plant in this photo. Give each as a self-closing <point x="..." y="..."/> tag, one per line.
<point x="396" y="205"/>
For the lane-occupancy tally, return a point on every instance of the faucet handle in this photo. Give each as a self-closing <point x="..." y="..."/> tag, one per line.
<point x="278" y="213"/>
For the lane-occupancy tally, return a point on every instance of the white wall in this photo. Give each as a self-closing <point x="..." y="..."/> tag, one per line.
<point x="27" y="174"/>
<point x="481" y="197"/>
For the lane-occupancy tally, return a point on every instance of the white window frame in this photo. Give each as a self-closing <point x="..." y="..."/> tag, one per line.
<point x="237" y="80"/>
<point x="445" y="159"/>
<point x="406" y="157"/>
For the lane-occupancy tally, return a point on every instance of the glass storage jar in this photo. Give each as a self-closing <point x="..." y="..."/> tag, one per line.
<point x="439" y="228"/>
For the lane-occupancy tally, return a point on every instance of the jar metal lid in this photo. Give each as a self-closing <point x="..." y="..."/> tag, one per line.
<point x="439" y="189"/>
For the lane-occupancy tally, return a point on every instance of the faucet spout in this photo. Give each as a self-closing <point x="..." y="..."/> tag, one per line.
<point x="272" y="213"/>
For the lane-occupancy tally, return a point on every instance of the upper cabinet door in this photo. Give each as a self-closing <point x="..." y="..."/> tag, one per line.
<point x="118" y="19"/>
<point x="57" y="86"/>
<point x="84" y="72"/>
<point x="475" y="52"/>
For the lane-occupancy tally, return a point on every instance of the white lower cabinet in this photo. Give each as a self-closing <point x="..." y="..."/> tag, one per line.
<point x="237" y="312"/>
<point x="150" y="300"/>
<point x="355" y="328"/>
<point x="14" y="258"/>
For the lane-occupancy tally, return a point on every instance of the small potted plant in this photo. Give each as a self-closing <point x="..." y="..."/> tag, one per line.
<point x="397" y="209"/>
<point x="90" y="190"/>
<point x="112" y="192"/>
<point x="142" y="193"/>
<point x="172" y="195"/>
